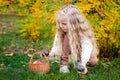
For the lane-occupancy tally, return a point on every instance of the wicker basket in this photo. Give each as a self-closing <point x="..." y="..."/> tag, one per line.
<point x="43" y="67"/>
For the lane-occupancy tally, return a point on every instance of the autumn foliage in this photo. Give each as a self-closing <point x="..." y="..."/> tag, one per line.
<point x="39" y="23"/>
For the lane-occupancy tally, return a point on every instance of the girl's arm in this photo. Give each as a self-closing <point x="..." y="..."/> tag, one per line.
<point x="86" y="47"/>
<point x="53" y="50"/>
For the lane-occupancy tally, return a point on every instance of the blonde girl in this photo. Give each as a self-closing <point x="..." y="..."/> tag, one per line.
<point x="74" y="36"/>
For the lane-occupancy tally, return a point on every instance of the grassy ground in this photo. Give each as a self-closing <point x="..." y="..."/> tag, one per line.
<point x="14" y="59"/>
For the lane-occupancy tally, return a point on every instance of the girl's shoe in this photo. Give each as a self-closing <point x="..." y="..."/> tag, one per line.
<point x="82" y="68"/>
<point x="64" y="69"/>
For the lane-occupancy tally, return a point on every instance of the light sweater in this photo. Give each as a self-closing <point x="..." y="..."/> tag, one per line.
<point x="86" y="49"/>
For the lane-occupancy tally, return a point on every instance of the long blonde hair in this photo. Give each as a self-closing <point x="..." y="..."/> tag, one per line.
<point x="78" y="27"/>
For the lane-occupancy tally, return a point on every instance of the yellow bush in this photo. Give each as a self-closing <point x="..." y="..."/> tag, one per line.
<point x="103" y="16"/>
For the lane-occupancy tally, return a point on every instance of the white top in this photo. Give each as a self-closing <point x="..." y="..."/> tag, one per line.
<point x="86" y="48"/>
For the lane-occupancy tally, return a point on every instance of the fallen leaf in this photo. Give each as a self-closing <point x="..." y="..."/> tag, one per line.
<point x="29" y="55"/>
<point x="11" y="54"/>
<point x="1" y="65"/>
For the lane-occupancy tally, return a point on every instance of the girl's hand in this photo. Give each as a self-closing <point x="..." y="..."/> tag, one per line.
<point x="85" y="71"/>
<point x="46" y="52"/>
<point x="51" y="55"/>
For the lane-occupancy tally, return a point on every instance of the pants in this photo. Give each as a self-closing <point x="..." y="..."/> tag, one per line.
<point x="66" y="50"/>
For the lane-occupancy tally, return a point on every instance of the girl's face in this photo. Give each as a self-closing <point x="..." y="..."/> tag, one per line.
<point x="62" y="22"/>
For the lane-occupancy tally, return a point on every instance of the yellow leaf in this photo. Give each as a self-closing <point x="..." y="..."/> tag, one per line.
<point x="22" y="30"/>
<point x="112" y="38"/>
<point x="104" y="22"/>
<point x="109" y="62"/>
<point x="67" y="1"/>
<point x="53" y="31"/>
<point x="105" y="35"/>
<point x="23" y="2"/>
<point x="88" y="7"/>
<point x="1" y="65"/>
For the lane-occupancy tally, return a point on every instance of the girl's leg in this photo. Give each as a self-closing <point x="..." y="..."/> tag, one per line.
<point x="64" y="64"/>
<point x="64" y="60"/>
<point x="65" y="55"/>
<point x="92" y="61"/>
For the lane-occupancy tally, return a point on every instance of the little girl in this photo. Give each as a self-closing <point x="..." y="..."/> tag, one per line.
<point x="74" y="36"/>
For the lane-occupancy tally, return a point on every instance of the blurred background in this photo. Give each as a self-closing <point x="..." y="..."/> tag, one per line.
<point x="28" y="26"/>
<point x="33" y="20"/>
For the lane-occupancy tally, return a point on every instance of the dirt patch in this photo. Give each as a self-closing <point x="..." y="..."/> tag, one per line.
<point x="8" y="23"/>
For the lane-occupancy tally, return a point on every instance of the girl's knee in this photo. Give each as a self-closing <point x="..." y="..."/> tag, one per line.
<point x="93" y="61"/>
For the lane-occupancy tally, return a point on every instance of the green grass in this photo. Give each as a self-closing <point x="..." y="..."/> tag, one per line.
<point x="16" y="67"/>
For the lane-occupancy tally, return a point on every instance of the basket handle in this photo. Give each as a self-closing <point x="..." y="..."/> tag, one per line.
<point x="31" y="58"/>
